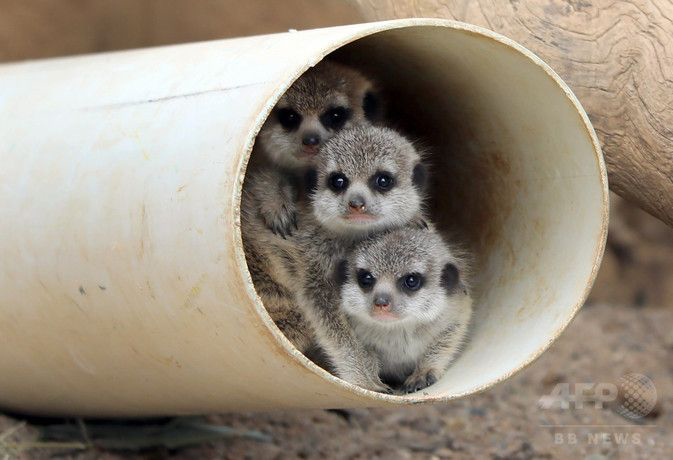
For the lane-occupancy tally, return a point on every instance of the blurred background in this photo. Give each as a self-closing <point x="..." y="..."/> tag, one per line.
<point x="626" y="326"/>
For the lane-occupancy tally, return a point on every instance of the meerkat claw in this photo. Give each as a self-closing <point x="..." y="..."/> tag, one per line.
<point x="417" y="382"/>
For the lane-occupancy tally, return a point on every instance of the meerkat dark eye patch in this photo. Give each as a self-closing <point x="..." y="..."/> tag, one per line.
<point x="341" y="273"/>
<point x="419" y="176"/>
<point x="366" y="280"/>
<point x="371" y="105"/>
<point x="337" y="182"/>
<point x="411" y="282"/>
<point x="382" y="181"/>
<point x="289" y="119"/>
<point x="450" y="278"/>
<point x="335" y="118"/>
<point x="310" y="181"/>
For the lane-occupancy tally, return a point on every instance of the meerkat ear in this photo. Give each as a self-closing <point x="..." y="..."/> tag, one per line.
<point x="371" y="105"/>
<point x="341" y="273"/>
<point x="450" y="278"/>
<point x="419" y="177"/>
<point x="311" y="181"/>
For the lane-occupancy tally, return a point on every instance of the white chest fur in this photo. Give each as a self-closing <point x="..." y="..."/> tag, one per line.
<point x="398" y="347"/>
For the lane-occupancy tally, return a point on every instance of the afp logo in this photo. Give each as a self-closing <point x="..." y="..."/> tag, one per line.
<point x="634" y="396"/>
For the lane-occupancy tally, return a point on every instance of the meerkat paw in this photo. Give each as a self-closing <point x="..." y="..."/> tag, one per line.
<point x="377" y="386"/>
<point x="282" y="220"/>
<point x="380" y="387"/>
<point x="418" y="380"/>
<point x="368" y="382"/>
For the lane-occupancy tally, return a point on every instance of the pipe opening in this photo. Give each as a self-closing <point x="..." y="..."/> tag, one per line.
<point x="516" y="175"/>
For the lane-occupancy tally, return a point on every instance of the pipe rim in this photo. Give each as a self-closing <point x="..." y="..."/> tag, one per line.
<point x="274" y="333"/>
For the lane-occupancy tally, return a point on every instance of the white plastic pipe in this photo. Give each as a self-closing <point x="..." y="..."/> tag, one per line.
<point x="123" y="283"/>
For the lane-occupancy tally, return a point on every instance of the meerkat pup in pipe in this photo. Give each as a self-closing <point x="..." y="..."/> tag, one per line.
<point x="324" y="100"/>
<point x="406" y="296"/>
<point x="367" y="180"/>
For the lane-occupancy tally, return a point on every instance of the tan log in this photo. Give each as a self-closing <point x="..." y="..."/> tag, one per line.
<point x="616" y="56"/>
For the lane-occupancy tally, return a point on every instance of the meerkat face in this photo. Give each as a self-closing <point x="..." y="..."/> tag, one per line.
<point x="324" y="100"/>
<point x="406" y="276"/>
<point x="367" y="179"/>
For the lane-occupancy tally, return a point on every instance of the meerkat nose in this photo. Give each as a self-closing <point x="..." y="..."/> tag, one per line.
<point x="382" y="301"/>
<point x="357" y="204"/>
<point x="311" y="139"/>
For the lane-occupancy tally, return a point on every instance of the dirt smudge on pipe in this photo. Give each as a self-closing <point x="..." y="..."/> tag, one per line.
<point x="193" y="294"/>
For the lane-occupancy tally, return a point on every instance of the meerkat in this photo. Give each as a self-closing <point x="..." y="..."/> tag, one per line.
<point x="367" y="180"/>
<point x="407" y="298"/>
<point x="324" y="100"/>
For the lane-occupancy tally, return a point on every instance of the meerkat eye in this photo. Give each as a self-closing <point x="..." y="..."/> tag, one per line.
<point x="412" y="281"/>
<point x="365" y="279"/>
<point x="335" y="118"/>
<point x="338" y="182"/>
<point x="289" y="119"/>
<point x="383" y="181"/>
